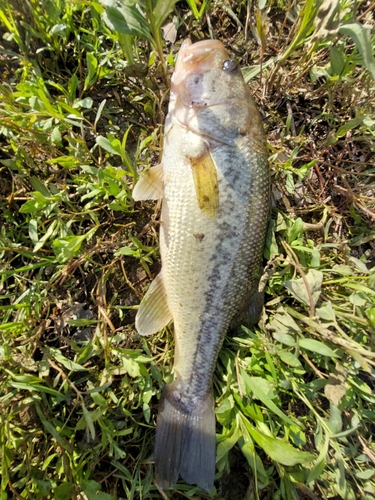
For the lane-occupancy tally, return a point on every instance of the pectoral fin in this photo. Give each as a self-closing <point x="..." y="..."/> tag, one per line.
<point x="150" y="185"/>
<point x="206" y="183"/>
<point x="153" y="313"/>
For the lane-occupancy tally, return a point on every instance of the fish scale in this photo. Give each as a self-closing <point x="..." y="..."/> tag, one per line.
<point x="192" y="266"/>
<point x="214" y="182"/>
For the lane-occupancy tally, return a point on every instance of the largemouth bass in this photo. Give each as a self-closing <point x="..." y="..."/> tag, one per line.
<point x="214" y="182"/>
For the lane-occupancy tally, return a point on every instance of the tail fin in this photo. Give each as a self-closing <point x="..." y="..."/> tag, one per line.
<point x="185" y="442"/>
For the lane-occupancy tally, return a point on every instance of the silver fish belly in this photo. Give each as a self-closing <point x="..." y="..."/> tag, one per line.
<point x="214" y="181"/>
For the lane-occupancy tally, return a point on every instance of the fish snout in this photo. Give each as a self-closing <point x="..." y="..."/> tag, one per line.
<point x="195" y="60"/>
<point x="199" y="56"/>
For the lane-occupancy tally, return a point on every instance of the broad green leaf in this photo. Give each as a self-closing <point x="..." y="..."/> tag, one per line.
<point x="280" y="451"/>
<point x="282" y="322"/>
<point x="72" y="86"/>
<point x="131" y="366"/>
<point x="361" y="36"/>
<point x="67" y="247"/>
<point x="297" y="286"/>
<point x="361" y="266"/>
<point x="326" y="312"/>
<point x="98" y="398"/>
<point x="37" y="388"/>
<point x="253" y="459"/>
<point x="365" y="474"/>
<point x="37" y="203"/>
<point x="227" y="441"/>
<point x="317" y="347"/>
<point x="33" y="230"/>
<point x="108" y="146"/>
<point x="224" y="414"/>
<point x="284" y="338"/>
<point x="52" y="228"/>
<point x="92" y="490"/>
<point x="349" y="125"/>
<point x="342" y="269"/>
<point x="92" y="66"/>
<point x="127" y="19"/>
<point x="89" y="422"/>
<point x="48" y="460"/>
<point x="87" y="103"/>
<point x="296" y="436"/>
<point x="289" y="182"/>
<point x="370" y="313"/>
<point x="335" y="419"/>
<point x="161" y="11"/>
<point x="289" y="358"/>
<point x="56" y="137"/>
<point x="68" y="363"/>
<point x="25" y="379"/>
<point x="247" y="447"/>
<point x="271" y="247"/>
<point x="263" y="385"/>
<point x="340" y="475"/>
<point x="360" y="288"/>
<point x="296" y="230"/>
<point x="250" y="409"/>
<point x="320" y="462"/>
<point x="64" y="491"/>
<point x="75" y="114"/>
<point x="39" y="186"/>
<point x="130" y="251"/>
<point x="252" y="385"/>
<point x="99" y="112"/>
<point x="361" y="385"/>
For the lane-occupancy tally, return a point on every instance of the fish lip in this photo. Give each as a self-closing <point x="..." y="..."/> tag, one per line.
<point x="196" y="53"/>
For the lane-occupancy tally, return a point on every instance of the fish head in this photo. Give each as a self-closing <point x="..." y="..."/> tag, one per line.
<point x="203" y="73"/>
<point x="208" y="91"/>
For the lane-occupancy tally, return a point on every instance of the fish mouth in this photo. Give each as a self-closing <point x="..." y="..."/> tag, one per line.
<point x="192" y="86"/>
<point x="197" y="53"/>
<point x="198" y="57"/>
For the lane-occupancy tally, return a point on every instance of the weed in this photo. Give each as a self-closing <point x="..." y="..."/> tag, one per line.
<point x="83" y="94"/>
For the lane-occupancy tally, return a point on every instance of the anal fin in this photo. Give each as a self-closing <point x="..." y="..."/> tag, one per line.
<point x="250" y="311"/>
<point x="153" y="313"/>
<point x="150" y="185"/>
<point x="251" y="308"/>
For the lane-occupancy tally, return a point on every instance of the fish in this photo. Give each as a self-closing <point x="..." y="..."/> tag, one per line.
<point x="214" y="183"/>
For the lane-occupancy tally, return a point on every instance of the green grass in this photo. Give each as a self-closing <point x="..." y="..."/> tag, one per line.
<point x="84" y="90"/>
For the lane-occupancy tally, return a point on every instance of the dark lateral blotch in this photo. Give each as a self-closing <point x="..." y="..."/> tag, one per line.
<point x="198" y="236"/>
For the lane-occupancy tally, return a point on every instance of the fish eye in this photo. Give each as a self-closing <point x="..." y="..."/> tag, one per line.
<point x="229" y="65"/>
